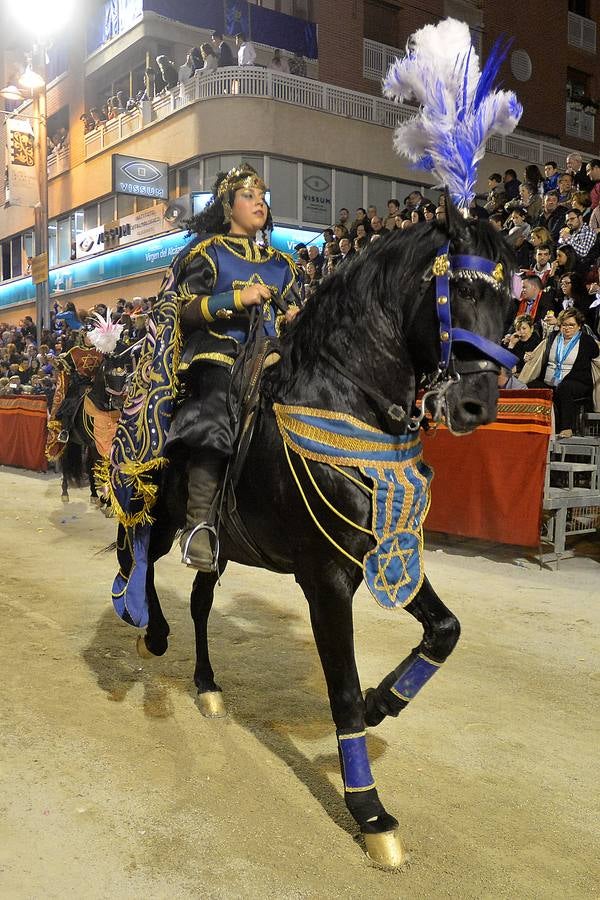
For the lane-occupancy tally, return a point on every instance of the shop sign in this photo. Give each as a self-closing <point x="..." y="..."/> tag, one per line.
<point x="137" y="227"/>
<point x="140" y="177"/>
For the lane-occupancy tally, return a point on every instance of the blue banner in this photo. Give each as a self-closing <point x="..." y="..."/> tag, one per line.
<point x="208" y="14"/>
<point x="237" y="18"/>
<point x="286" y="32"/>
<point x="112" y="18"/>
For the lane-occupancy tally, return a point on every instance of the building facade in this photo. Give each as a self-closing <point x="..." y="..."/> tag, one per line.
<point x="321" y="139"/>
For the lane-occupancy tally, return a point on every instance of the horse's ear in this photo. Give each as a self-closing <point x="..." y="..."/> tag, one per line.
<point x="455" y="221"/>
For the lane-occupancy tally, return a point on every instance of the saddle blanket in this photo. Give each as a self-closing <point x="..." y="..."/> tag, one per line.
<point x="393" y="569"/>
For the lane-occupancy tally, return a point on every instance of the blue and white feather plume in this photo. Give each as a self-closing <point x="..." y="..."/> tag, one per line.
<point x="460" y="107"/>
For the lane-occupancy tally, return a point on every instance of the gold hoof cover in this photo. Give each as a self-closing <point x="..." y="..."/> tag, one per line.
<point x="211" y="704"/>
<point x="385" y="849"/>
<point x="142" y="649"/>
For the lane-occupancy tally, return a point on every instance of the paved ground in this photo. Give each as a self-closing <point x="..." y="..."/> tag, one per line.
<point x="113" y="785"/>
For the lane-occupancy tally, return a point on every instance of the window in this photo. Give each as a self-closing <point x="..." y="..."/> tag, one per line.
<point x="580" y="7"/>
<point x="379" y="191"/>
<point x="6" y="267"/>
<point x="28" y="245"/>
<point x="64" y="240"/>
<point x="189" y="179"/>
<point x="143" y="203"/>
<point x="90" y="217"/>
<point x="78" y="223"/>
<point x="107" y="211"/>
<point x="125" y="205"/>
<point x="52" y="250"/>
<point x="284" y="189"/>
<point x="16" y="254"/>
<point x="348" y="192"/>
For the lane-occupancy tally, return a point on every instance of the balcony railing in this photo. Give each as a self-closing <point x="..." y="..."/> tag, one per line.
<point x="377" y="58"/>
<point x="59" y="161"/>
<point x="306" y="93"/>
<point x="579" y="123"/>
<point x="250" y="82"/>
<point x="582" y="32"/>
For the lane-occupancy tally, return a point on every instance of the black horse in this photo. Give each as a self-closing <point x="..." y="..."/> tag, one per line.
<point x="105" y="396"/>
<point x="363" y="345"/>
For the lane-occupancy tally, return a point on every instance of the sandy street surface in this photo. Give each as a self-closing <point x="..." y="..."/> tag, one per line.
<point x="114" y="786"/>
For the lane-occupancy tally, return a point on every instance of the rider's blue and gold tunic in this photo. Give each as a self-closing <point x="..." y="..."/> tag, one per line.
<point x="215" y="325"/>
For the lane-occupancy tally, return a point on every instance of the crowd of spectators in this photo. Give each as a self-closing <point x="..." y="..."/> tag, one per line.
<point x="29" y="368"/>
<point x="166" y="75"/>
<point x="551" y="220"/>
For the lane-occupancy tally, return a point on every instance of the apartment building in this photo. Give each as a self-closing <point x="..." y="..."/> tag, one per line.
<point x="321" y="141"/>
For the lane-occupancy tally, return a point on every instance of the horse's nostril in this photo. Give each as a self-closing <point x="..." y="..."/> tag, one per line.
<point x="472" y="408"/>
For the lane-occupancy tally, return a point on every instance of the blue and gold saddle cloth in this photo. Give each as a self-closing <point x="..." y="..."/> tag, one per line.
<point x="393" y="569"/>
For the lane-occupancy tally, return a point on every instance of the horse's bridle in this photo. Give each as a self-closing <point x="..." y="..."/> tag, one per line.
<point x="450" y="369"/>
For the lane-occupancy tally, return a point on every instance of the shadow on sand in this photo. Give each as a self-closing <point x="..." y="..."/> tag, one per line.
<point x="270" y="674"/>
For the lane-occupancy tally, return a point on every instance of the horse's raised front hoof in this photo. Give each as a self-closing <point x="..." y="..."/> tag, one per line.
<point x="373" y="715"/>
<point x="382" y="842"/>
<point x="211" y="704"/>
<point x="142" y="648"/>
<point x="64" y="498"/>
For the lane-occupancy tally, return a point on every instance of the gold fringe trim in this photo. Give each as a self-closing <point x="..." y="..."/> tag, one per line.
<point x="144" y="490"/>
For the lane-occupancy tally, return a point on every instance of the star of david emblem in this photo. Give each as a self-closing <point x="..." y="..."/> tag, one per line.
<point x="381" y="582"/>
<point x="256" y="279"/>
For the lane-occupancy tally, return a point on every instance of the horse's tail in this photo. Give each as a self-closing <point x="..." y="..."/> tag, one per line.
<point x="72" y="464"/>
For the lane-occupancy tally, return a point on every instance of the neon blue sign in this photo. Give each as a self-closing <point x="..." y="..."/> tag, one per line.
<point x="136" y="259"/>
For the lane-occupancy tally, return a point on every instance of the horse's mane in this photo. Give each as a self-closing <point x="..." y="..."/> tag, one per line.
<point x="381" y="279"/>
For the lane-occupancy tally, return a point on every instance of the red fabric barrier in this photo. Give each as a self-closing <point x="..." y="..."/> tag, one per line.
<point x="23" y="431"/>
<point x="490" y="484"/>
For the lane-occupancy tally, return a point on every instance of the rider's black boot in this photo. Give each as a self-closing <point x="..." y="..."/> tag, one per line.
<point x="195" y="541"/>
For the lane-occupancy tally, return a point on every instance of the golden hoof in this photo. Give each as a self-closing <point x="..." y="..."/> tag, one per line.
<point x="385" y="849"/>
<point x="212" y="705"/>
<point x="142" y="648"/>
<point x="64" y="498"/>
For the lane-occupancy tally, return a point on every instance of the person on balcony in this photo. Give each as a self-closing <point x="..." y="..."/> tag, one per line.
<point x="278" y="63"/>
<point x="297" y="65"/>
<point x="222" y="49"/>
<point x="211" y="60"/>
<point x="245" y="49"/>
<point x="168" y="72"/>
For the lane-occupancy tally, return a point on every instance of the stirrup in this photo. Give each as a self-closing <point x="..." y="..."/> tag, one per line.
<point x="202" y="526"/>
<point x="63" y="436"/>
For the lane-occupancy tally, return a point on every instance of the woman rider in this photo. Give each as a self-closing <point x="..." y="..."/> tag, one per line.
<point x="224" y="274"/>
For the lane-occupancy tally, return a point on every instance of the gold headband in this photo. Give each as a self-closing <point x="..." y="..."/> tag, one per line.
<point x="242" y="176"/>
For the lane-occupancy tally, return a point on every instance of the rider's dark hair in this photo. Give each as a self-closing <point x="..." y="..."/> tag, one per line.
<point x="212" y="218"/>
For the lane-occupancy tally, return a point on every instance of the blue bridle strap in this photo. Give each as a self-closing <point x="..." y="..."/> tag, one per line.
<point x="475" y="267"/>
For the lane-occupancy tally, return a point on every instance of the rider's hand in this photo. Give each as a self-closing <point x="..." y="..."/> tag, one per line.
<point x="291" y="314"/>
<point x="255" y="294"/>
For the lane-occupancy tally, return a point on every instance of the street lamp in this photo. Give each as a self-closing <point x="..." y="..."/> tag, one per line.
<point x="37" y="85"/>
<point x="42" y="19"/>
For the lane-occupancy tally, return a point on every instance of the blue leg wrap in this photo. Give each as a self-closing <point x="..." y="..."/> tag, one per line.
<point x="356" y="770"/>
<point x="416" y="674"/>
